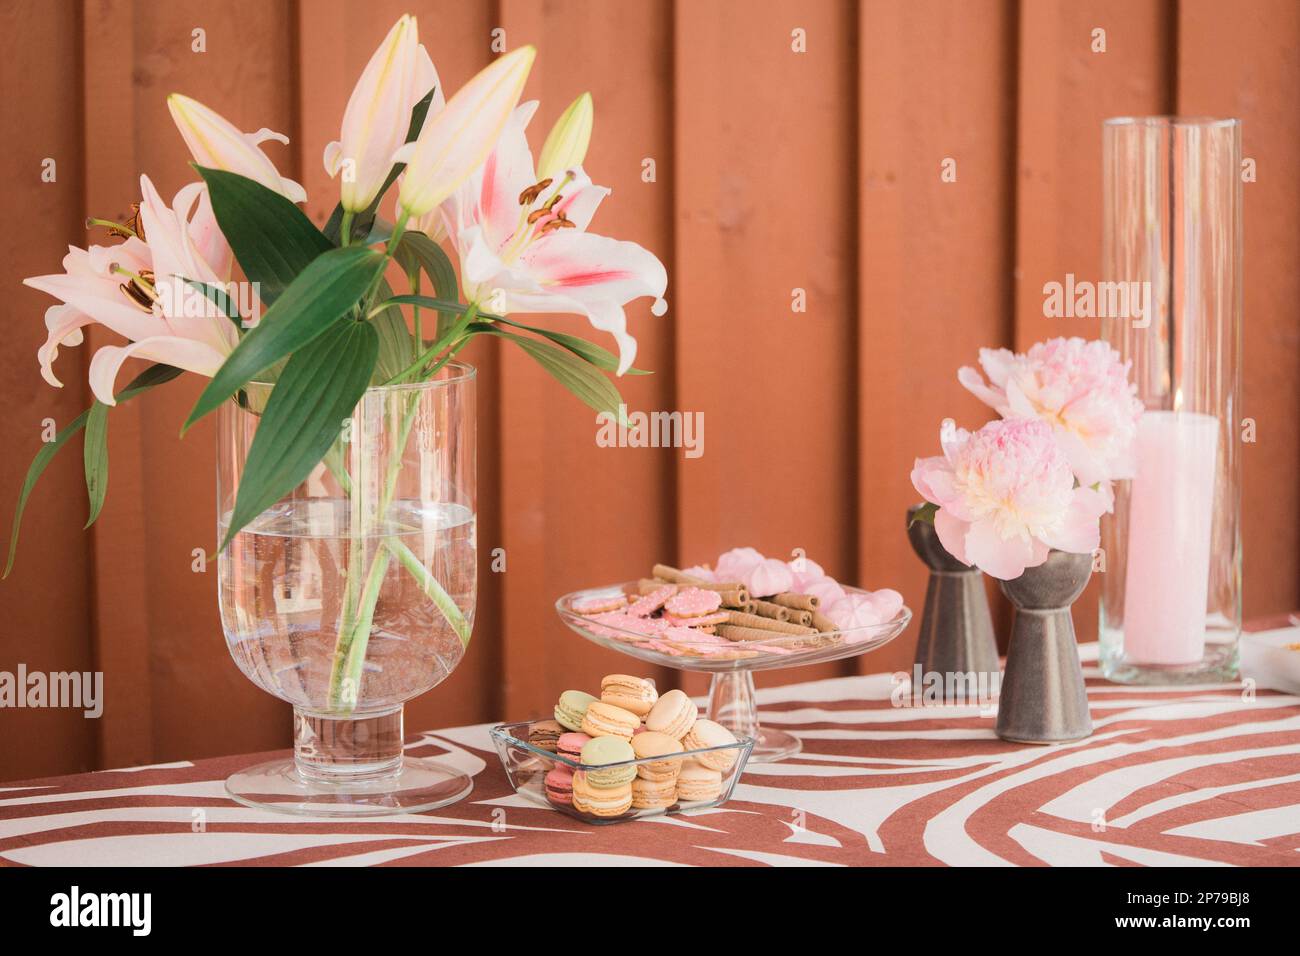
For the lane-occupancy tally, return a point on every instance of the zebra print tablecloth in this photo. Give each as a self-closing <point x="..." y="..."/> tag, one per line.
<point x="1191" y="775"/>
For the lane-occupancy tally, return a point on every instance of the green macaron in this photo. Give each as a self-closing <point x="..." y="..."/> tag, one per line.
<point x="572" y="708"/>
<point x="599" y="751"/>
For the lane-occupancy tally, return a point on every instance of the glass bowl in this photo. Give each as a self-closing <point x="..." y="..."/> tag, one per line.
<point x="526" y="767"/>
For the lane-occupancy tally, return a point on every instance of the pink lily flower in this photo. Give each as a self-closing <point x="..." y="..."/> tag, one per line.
<point x="135" y="289"/>
<point x="524" y="246"/>
<point x="1007" y="496"/>
<point x="216" y="143"/>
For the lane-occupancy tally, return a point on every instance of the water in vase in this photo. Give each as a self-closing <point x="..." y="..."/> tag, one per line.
<point x="285" y="599"/>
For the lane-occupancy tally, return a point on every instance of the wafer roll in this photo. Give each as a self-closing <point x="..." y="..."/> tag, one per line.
<point x="672" y="575"/>
<point x="649" y="585"/>
<point x="734" y="632"/>
<point x="802" y="618"/>
<point x="774" y="611"/>
<point x="734" y="599"/>
<point x="742" y="619"/>
<point x="803" y="602"/>
<point x="822" y="622"/>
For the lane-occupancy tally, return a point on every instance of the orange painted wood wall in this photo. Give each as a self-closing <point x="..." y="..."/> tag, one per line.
<point x="778" y="175"/>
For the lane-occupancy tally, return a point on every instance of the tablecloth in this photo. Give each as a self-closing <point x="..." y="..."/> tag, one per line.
<point x="1171" y="775"/>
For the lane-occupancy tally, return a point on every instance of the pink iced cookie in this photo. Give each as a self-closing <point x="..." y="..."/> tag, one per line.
<point x="649" y="603"/>
<point x="702" y="620"/>
<point x="769" y="577"/>
<point x="693" y="602"/>
<point x="598" y="603"/>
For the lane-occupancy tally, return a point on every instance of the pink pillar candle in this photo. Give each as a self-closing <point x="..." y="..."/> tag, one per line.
<point x="1171" y="509"/>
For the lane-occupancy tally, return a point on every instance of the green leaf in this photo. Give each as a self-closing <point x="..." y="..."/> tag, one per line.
<point x="394" y="338"/>
<point x="363" y="220"/>
<point x="96" y="459"/>
<point x="414" y="251"/>
<point x="318" y="390"/>
<point x="220" y="298"/>
<point x="587" y="383"/>
<point x="322" y="294"/>
<point x="587" y="351"/>
<point x="272" y="238"/>
<point x="150" y="377"/>
<point x="925" y="513"/>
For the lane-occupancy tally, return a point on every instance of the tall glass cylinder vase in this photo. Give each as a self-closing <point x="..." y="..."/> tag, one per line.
<point x="355" y="593"/>
<point x="1171" y="591"/>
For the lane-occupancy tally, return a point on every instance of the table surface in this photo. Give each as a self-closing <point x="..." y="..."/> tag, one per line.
<point x="1171" y="775"/>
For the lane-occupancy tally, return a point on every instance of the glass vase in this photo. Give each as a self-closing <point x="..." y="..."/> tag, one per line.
<point x="1171" y="591"/>
<point x="355" y="593"/>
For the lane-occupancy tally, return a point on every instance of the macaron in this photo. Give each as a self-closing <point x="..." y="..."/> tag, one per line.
<point x="599" y="751"/>
<point x="633" y="694"/>
<point x="544" y="733"/>
<point x="572" y="707"/>
<point x="570" y="746"/>
<point x="707" y="733"/>
<point x="559" y="786"/>
<point x="602" y="720"/>
<point x="695" y="783"/>
<point x="654" y="744"/>
<point x="673" y="714"/>
<point x="653" y="794"/>
<point x="598" y="801"/>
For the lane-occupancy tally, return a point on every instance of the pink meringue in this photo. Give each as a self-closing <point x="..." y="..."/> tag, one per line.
<point x="886" y="602"/>
<point x="826" y="590"/>
<point x="735" y="565"/>
<point x="805" y="571"/>
<point x="853" y="611"/>
<point x="771" y="576"/>
<point x="701" y="571"/>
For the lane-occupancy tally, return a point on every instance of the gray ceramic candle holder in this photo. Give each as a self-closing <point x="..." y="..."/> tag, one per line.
<point x="1043" y="699"/>
<point x="956" y="627"/>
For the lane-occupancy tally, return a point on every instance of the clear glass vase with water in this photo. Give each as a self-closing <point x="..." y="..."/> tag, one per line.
<point x="355" y="593"/>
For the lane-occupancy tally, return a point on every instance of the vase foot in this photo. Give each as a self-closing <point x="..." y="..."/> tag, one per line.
<point x="773" y="745"/>
<point x="419" y="785"/>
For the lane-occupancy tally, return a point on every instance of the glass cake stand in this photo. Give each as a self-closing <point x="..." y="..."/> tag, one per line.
<point x="731" y="694"/>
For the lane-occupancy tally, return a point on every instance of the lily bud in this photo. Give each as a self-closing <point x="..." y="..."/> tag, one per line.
<point x="456" y="142"/>
<point x="566" y="145"/>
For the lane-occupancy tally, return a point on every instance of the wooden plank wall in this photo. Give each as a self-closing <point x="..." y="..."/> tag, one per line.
<point x="797" y="151"/>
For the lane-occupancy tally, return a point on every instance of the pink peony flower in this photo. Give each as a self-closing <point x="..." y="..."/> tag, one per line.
<point x="1080" y="388"/>
<point x="1007" y="496"/>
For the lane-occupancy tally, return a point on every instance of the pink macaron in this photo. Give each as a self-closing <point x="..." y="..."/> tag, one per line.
<point x="570" y="745"/>
<point x="559" y="786"/>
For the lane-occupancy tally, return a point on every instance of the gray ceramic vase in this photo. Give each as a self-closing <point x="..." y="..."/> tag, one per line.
<point x="1043" y="699"/>
<point x="956" y="627"/>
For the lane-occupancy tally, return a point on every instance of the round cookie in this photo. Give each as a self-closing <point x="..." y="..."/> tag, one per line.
<point x="606" y="720"/>
<point x="705" y="734"/>
<point x="696" y="783"/>
<point x="650" y="743"/>
<point x="570" y="746"/>
<point x="634" y="694"/>
<point x="543" y="734"/>
<point x="559" y="786"/>
<point x="571" y="708"/>
<point x="673" y="714"/>
<point x="599" y="751"/>
<point x="653" y="794"/>
<point x="607" y="802"/>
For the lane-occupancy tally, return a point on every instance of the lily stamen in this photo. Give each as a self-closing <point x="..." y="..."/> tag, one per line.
<point x="529" y="195"/>
<point x="140" y="289"/>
